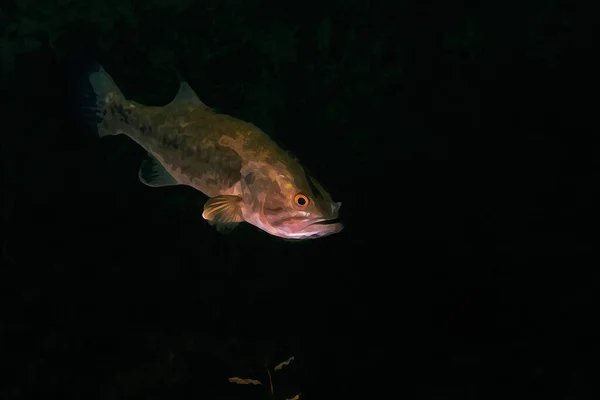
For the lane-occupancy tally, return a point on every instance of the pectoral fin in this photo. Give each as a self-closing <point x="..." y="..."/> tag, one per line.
<point x="153" y="174"/>
<point x="224" y="212"/>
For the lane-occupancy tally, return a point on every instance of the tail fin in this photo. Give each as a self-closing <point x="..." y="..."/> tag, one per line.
<point x="97" y="91"/>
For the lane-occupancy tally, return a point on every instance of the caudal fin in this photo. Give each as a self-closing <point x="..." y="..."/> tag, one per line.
<point x="96" y="93"/>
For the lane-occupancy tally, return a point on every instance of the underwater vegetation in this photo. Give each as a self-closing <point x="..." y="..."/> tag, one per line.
<point x="270" y="387"/>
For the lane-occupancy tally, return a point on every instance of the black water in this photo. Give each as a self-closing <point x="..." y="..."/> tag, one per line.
<point x="459" y="138"/>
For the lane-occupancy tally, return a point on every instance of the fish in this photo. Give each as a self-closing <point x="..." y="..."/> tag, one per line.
<point x="246" y="175"/>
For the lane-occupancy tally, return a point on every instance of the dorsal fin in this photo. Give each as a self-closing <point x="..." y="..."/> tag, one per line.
<point x="186" y="96"/>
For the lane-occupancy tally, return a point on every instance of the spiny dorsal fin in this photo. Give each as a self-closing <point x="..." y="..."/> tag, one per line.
<point x="186" y="95"/>
<point x="153" y="174"/>
<point x="223" y="211"/>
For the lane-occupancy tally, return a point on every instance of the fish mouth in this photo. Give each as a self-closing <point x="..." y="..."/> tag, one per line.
<point x="313" y="229"/>
<point x="326" y="222"/>
<point x="324" y="227"/>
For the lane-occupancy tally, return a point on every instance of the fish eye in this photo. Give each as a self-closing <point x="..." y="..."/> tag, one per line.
<point x="301" y="200"/>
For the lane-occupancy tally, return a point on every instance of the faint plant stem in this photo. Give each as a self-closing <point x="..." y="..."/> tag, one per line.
<point x="270" y="381"/>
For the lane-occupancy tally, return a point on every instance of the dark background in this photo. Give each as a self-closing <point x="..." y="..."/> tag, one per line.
<point x="459" y="137"/>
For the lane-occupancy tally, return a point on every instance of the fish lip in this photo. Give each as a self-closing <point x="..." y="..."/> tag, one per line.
<point x="326" y="221"/>
<point x="327" y="226"/>
<point x="318" y="228"/>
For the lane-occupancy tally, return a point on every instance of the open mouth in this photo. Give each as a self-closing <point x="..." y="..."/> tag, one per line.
<point x="326" y="221"/>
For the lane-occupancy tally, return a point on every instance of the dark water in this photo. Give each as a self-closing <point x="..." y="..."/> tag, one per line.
<point x="458" y="137"/>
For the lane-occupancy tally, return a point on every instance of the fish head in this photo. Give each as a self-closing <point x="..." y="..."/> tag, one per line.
<point x="291" y="205"/>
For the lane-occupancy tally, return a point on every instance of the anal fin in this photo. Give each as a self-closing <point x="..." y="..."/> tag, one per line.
<point x="153" y="174"/>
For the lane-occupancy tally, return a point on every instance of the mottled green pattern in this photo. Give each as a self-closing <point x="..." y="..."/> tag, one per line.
<point x="184" y="139"/>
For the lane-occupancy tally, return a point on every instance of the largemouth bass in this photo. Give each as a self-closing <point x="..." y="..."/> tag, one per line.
<point x="245" y="174"/>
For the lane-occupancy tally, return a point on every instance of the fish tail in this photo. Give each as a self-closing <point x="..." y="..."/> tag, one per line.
<point x="97" y="95"/>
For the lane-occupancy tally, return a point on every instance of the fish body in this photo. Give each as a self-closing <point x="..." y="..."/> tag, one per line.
<point x="245" y="174"/>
